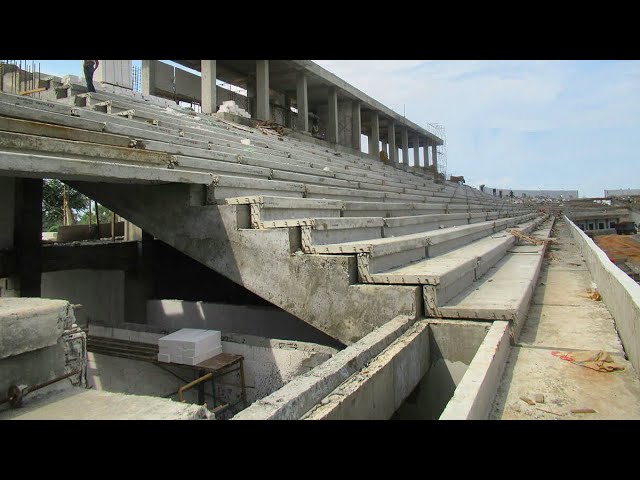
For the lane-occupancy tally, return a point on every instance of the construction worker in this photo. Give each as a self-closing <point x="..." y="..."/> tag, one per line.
<point x="90" y="66"/>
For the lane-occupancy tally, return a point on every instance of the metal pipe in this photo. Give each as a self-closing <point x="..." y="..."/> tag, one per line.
<point x="15" y="394"/>
<point x="186" y="387"/>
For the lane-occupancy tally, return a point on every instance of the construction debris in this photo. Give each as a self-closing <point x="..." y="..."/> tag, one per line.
<point x="583" y="410"/>
<point x="600" y="361"/>
<point x="230" y="106"/>
<point x="527" y="238"/>
<point x="538" y="398"/>
<point x="270" y="127"/>
<point x="527" y="401"/>
<point x="550" y="411"/>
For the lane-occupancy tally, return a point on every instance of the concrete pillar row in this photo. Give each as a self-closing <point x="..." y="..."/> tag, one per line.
<point x="332" y="122"/>
<point x="405" y="145"/>
<point x="208" y="86"/>
<point x="374" y="135"/>
<point x="262" y="90"/>
<point x="416" y="150"/>
<point x="356" y="125"/>
<point x="302" y="102"/>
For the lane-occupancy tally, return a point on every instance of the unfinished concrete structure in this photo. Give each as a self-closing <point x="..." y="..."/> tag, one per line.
<point x="361" y="280"/>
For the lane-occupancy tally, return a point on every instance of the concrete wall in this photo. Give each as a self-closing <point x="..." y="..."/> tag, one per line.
<point x="268" y="365"/>
<point x="619" y="292"/>
<point x="473" y="398"/>
<point x="100" y="292"/>
<point x="377" y="391"/>
<point x="243" y="319"/>
<point x="114" y="72"/>
<point x="187" y="86"/>
<point x="453" y="346"/>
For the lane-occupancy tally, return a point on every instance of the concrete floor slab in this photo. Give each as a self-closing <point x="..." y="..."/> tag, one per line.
<point x="565" y="386"/>
<point x="565" y="319"/>
<point x="75" y="403"/>
<point x="582" y="327"/>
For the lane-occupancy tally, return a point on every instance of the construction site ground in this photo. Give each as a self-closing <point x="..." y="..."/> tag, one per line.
<point x="564" y="317"/>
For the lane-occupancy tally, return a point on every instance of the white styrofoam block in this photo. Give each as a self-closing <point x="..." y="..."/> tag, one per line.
<point x="191" y="340"/>
<point x="245" y="141"/>
<point x="194" y="360"/>
<point x="164" y="357"/>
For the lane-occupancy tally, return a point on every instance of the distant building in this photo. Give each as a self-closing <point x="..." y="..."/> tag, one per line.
<point x="625" y="192"/>
<point x="558" y="194"/>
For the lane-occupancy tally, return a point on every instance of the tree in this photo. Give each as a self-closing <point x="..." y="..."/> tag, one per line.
<point x="53" y="204"/>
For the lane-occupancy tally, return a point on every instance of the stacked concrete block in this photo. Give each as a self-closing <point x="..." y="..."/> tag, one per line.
<point x="189" y="346"/>
<point x="230" y="106"/>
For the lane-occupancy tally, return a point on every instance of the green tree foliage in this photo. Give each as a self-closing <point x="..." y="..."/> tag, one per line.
<point x="53" y="203"/>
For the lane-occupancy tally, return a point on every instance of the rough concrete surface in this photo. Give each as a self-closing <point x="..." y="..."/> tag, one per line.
<point x="74" y="403"/>
<point x="28" y="324"/>
<point x="563" y="318"/>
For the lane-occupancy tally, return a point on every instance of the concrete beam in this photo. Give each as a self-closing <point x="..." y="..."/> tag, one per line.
<point x="356" y="125"/>
<point x="302" y="102"/>
<point x="374" y="135"/>
<point x="208" y="86"/>
<point x="391" y="137"/>
<point x="262" y="90"/>
<point x="148" y="77"/>
<point x="416" y="150"/>
<point x="28" y="324"/>
<point x="405" y="146"/>
<point x="332" y="122"/>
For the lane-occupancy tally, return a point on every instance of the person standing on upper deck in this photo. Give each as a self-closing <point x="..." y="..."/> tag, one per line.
<point x="90" y="66"/>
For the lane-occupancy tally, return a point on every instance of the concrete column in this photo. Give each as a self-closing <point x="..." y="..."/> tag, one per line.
<point x="426" y="153"/>
<point x="262" y="90"/>
<point x="302" y="102"/>
<point x="287" y="110"/>
<point x="332" y="121"/>
<point x="208" y="86"/>
<point x="393" y="150"/>
<point x="385" y="147"/>
<point x="356" y="125"/>
<point x="416" y="151"/>
<point x="374" y="135"/>
<point x="148" y="77"/>
<point x="28" y="235"/>
<point x="251" y="96"/>
<point x="405" y="146"/>
<point x="434" y="159"/>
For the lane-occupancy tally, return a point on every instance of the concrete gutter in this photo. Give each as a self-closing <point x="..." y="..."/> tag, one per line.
<point x="298" y="396"/>
<point x="474" y="395"/>
<point x="619" y="292"/>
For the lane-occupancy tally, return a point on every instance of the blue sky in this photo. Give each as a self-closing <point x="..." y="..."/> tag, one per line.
<point x="511" y="124"/>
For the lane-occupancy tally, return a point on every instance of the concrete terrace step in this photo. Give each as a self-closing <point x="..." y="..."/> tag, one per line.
<point x="407" y="225"/>
<point x="503" y="293"/>
<point x="285" y="174"/>
<point x="277" y="211"/>
<point x="333" y="230"/>
<point x="446" y="275"/>
<point x="378" y="255"/>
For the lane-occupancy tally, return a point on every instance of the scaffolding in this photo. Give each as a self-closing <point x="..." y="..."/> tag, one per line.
<point x="438" y="130"/>
<point x="21" y="77"/>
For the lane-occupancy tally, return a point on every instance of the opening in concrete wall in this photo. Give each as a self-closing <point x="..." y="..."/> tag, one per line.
<point x="453" y="344"/>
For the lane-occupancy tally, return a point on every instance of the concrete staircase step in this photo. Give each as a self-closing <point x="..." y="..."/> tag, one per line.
<point x="503" y="293"/>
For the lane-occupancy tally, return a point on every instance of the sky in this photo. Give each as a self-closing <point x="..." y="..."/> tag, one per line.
<point x="518" y="125"/>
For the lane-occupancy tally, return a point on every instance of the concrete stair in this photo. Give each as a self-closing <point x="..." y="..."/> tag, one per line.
<point x="340" y="240"/>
